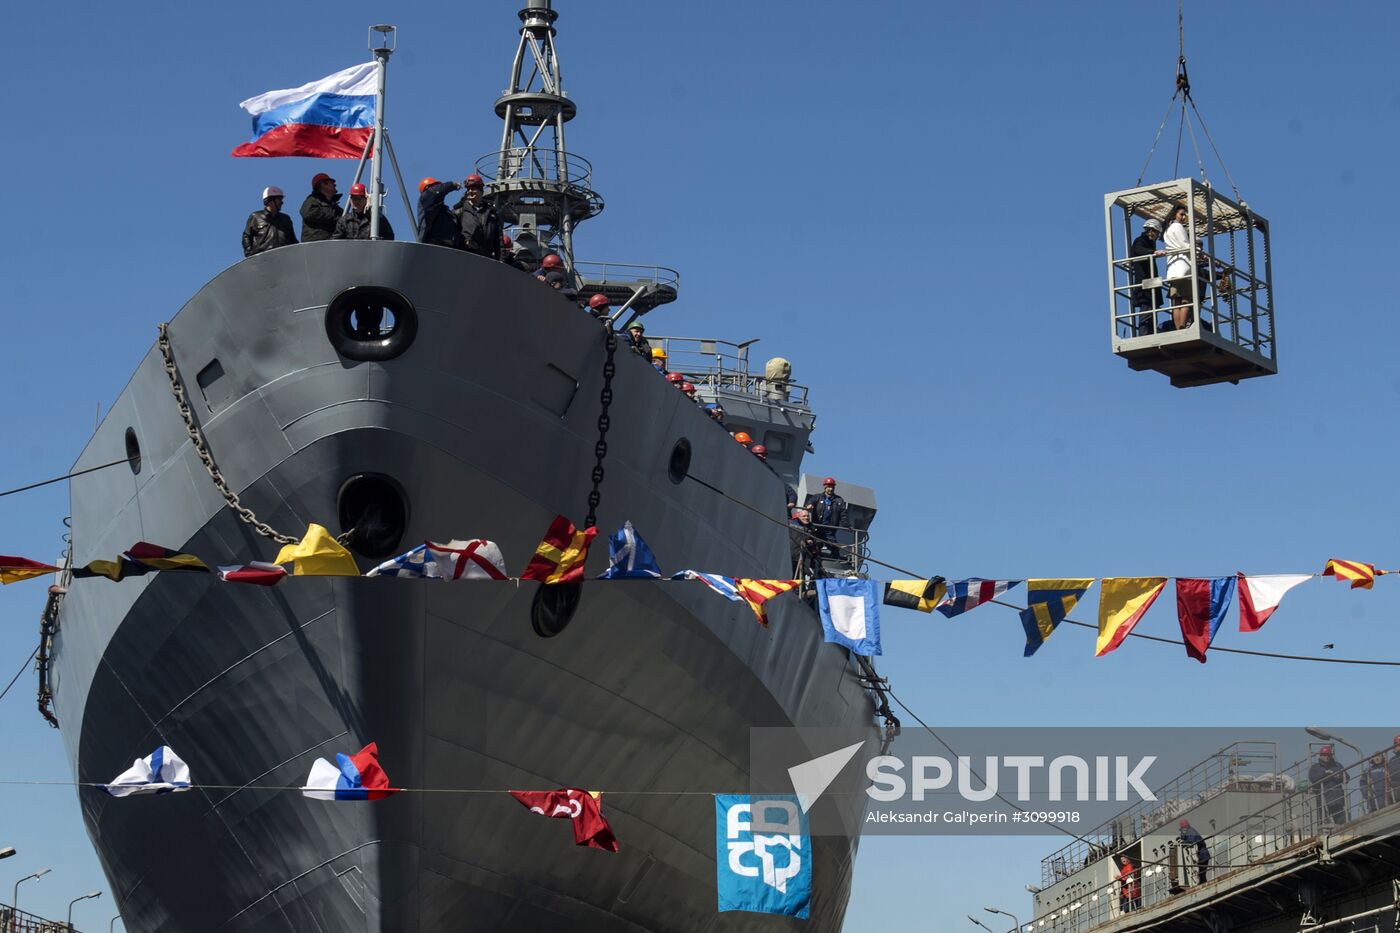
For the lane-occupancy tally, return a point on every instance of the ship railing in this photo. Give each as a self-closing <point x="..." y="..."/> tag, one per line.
<point x="840" y="552"/>
<point x="1290" y="827"/>
<point x="536" y="164"/>
<point x="724" y="367"/>
<point x="1247" y="762"/>
<point x="625" y="273"/>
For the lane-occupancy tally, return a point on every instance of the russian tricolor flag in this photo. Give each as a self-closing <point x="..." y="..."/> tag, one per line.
<point x="332" y="118"/>
<point x="352" y="777"/>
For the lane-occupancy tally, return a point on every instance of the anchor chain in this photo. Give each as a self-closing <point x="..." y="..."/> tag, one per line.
<point x="201" y="447"/>
<point x="600" y="449"/>
<point x="48" y="628"/>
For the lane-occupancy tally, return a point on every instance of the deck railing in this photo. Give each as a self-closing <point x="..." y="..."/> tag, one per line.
<point x="1287" y="828"/>
<point x="723" y="367"/>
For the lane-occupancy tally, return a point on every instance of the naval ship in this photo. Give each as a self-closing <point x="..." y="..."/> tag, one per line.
<point x="398" y="392"/>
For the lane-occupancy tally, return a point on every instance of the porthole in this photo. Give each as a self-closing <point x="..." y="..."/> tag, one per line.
<point x="554" y="607"/>
<point x="133" y="451"/>
<point x="374" y="509"/>
<point x="370" y="323"/>
<point x="679" y="467"/>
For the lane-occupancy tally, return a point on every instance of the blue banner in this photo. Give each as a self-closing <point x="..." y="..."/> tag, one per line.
<point x="763" y="855"/>
<point x="850" y="611"/>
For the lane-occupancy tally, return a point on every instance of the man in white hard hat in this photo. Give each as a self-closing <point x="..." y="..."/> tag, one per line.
<point x="268" y="228"/>
<point x="1143" y="266"/>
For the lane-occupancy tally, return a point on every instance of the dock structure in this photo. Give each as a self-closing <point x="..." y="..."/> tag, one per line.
<point x="21" y="921"/>
<point x="1285" y="855"/>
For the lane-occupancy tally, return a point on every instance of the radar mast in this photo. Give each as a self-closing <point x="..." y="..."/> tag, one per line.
<point x="536" y="184"/>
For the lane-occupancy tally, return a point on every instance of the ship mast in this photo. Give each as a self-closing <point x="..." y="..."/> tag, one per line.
<point x="535" y="182"/>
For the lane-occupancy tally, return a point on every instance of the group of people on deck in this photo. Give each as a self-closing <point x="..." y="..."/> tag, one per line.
<point x="322" y="218"/>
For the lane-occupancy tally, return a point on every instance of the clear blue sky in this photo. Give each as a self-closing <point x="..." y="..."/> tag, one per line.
<point x="906" y="201"/>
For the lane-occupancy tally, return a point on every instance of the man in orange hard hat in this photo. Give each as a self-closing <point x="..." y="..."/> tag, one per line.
<point x="354" y="224"/>
<point x="480" y="226"/>
<point x="436" y="223"/>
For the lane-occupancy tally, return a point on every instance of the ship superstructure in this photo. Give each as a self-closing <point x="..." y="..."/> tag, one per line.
<point x="1284" y="855"/>
<point x="471" y="408"/>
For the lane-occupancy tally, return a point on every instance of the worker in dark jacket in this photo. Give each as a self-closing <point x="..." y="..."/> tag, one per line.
<point x="1375" y="783"/>
<point x="1143" y="253"/>
<point x="1393" y="771"/>
<point x="1188" y="838"/>
<point x="1327" y="780"/>
<point x="518" y="258"/>
<point x="806" y="549"/>
<point x="481" y="228"/>
<point x="828" y="514"/>
<point x="319" y="211"/>
<point x="354" y="224"/>
<point x="268" y="228"/>
<point x="636" y="336"/>
<point x="436" y="223"/>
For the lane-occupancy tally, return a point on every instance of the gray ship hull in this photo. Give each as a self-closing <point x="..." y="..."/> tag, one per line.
<point x="488" y="422"/>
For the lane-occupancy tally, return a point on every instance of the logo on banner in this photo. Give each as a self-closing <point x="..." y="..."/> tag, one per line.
<point x="764" y="857"/>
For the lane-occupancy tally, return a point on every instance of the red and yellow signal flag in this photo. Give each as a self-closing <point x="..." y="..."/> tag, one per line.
<point x="14" y="569"/>
<point x="758" y="592"/>
<point x="1361" y="575"/>
<point x="561" y="555"/>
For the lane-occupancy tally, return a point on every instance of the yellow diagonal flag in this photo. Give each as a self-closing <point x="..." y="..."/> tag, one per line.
<point x="922" y="595"/>
<point x="758" y="592"/>
<point x="1360" y="574"/>
<point x="318" y="554"/>
<point x="1122" y="602"/>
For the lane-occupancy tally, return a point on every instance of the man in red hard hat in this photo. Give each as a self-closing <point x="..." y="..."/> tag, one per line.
<point x="268" y="228"/>
<point x="354" y="223"/>
<point x="551" y="271"/>
<point x="480" y="226"/>
<point x="1327" y="781"/>
<point x="513" y="257"/>
<point x="320" y="210"/>
<point x="1188" y="838"/>
<point x="828" y="515"/>
<point x="598" y="306"/>
<point x="436" y="222"/>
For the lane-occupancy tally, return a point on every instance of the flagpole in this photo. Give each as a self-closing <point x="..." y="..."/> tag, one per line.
<point x="388" y="41"/>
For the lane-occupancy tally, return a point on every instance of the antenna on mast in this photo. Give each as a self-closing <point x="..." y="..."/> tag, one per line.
<point x="534" y="181"/>
<point x="383" y="40"/>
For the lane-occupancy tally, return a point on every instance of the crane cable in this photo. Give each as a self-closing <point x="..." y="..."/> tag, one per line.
<point x="1182" y="90"/>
